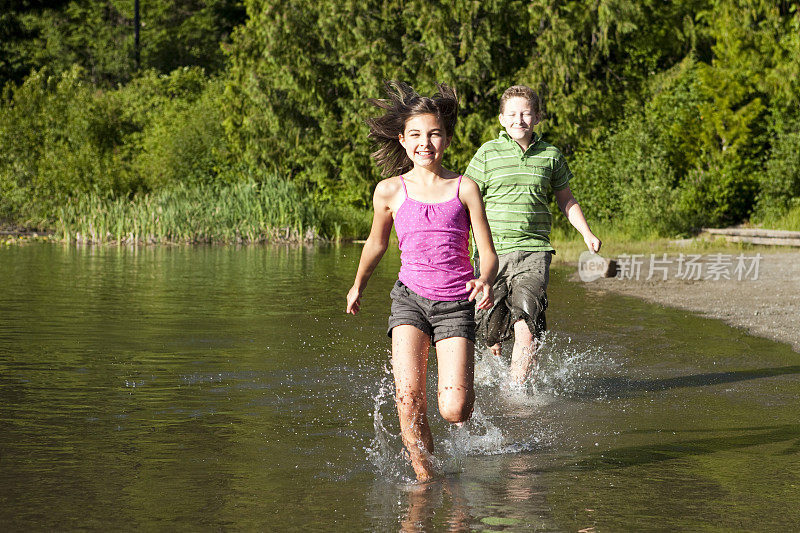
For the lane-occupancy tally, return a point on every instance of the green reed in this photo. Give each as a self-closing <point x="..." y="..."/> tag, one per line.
<point x="273" y="210"/>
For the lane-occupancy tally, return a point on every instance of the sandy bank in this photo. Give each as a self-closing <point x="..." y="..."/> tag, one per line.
<point x="766" y="304"/>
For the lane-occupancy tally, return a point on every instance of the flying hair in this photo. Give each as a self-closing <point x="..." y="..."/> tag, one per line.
<point x="403" y="103"/>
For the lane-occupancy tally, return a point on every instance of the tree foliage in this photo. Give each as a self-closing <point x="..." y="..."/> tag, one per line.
<point x="63" y="138"/>
<point x="674" y="115"/>
<point x="300" y="73"/>
<point x="99" y="36"/>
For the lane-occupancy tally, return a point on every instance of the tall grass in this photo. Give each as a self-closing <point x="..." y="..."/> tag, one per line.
<point x="273" y="210"/>
<point x="790" y="220"/>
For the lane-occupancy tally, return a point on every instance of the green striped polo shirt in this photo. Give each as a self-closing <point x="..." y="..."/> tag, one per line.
<point x="517" y="188"/>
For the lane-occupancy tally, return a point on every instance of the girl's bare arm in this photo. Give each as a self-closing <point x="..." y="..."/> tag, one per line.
<point x="376" y="244"/>
<point x="470" y="196"/>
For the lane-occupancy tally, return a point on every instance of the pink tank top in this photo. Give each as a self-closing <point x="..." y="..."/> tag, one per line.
<point x="434" y="255"/>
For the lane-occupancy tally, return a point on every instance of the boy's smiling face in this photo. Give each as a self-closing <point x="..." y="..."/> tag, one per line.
<point x="519" y="118"/>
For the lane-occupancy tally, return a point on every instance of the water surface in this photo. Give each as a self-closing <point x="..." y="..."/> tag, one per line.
<point x="223" y="387"/>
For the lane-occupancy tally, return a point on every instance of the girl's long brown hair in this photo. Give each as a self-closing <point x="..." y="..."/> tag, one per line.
<point x="402" y="103"/>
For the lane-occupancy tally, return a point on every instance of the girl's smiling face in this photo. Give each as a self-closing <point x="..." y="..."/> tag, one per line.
<point x="425" y="140"/>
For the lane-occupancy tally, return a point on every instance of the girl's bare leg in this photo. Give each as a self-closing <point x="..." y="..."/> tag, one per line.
<point x="410" y="364"/>
<point x="523" y="355"/>
<point x="456" y="363"/>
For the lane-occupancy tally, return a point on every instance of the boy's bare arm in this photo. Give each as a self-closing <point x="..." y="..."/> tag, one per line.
<point x="572" y="210"/>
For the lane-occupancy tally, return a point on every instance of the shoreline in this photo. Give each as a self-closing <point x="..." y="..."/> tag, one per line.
<point x="285" y="235"/>
<point x="768" y="306"/>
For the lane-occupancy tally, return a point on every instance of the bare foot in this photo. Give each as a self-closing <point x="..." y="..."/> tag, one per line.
<point x="423" y="468"/>
<point x="421" y="460"/>
<point x="523" y="366"/>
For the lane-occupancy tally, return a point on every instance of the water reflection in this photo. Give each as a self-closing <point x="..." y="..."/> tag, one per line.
<point x="443" y="500"/>
<point x="223" y="388"/>
<point x="621" y="385"/>
<point x="628" y="456"/>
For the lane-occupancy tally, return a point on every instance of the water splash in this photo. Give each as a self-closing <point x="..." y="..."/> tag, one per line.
<point x="564" y="366"/>
<point x="506" y="419"/>
<point x="477" y="436"/>
<point x="567" y="366"/>
<point x="489" y="369"/>
<point x="386" y="447"/>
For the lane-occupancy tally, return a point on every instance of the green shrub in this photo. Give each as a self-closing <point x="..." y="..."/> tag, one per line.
<point x="184" y="142"/>
<point x="790" y="220"/>
<point x="686" y="160"/>
<point x="717" y="196"/>
<point x="63" y="138"/>
<point x="55" y="143"/>
<point x="779" y="183"/>
<point x="627" y="179"/>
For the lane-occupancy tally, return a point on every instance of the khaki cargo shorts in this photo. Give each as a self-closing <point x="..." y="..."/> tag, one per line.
<point x="520" y="293"/>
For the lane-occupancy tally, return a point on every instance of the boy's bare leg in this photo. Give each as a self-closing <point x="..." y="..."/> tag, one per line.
<point x="523" y="355"/>
<point x="495" y="349"/>
<point x="409" y="364"/>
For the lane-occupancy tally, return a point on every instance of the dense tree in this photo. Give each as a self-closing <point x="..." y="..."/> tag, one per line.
<point x="674" y="114"/>
<point x="99" y="36"/>
<point x="300" y="73"/>
<point x="16" y="35"/>
<point x="183" y="33"/>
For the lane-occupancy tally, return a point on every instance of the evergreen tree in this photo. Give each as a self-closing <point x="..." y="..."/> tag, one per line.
<point x="99" y="36"/>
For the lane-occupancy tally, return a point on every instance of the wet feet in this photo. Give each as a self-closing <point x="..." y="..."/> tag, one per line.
<point x="423" y="468"/>
<point x="421" y="459"/>
<point x="524" y="365"/>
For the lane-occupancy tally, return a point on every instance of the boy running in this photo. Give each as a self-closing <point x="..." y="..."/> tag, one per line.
<point x="518" y="174"/>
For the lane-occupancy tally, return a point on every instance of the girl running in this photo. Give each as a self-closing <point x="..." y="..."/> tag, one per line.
<point x="432" y="209"/>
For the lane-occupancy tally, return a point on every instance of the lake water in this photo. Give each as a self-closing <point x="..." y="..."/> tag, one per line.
<point x="208" y="388"/>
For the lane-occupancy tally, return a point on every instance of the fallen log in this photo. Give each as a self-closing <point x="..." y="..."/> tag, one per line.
<point x="757" y="236"/>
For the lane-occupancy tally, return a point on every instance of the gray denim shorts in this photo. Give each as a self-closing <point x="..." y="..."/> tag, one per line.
<point x="437" y="319"/>
<point x="520" y="293"/>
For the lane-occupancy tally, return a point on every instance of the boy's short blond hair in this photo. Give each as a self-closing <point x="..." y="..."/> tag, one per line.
<point x="522" y="91"/>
